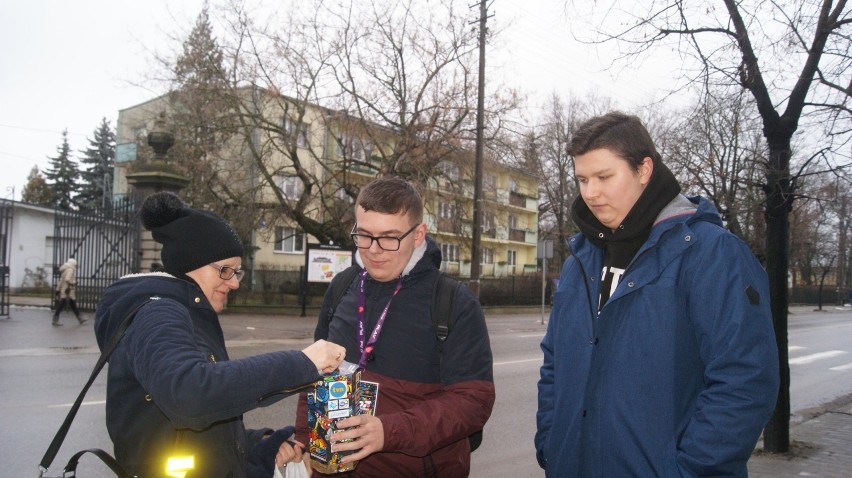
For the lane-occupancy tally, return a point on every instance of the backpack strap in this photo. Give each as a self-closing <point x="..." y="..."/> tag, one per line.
<point x="338" y="287"/>
<point x="444" y="307"/>
<point x="443" y="315"/>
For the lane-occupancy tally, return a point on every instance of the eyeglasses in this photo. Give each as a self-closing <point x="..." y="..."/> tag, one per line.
<point x="227" y="272"/>
<point x="387" y="243"/>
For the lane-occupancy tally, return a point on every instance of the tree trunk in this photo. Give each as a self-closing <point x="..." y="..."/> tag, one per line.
<point x="776" y="436"/>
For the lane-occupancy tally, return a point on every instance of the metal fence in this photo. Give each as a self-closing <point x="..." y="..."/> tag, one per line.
<point x="104" y="241"/>
<point x="5" y="240"/>
<point x="273" y="287"/>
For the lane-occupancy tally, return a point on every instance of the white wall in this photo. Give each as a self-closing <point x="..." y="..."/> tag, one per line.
<point x="31" y="243"/>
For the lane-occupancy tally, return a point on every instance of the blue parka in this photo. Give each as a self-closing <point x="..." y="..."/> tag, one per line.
<point x="677" y="374"/>
<point x="171" y="388"/>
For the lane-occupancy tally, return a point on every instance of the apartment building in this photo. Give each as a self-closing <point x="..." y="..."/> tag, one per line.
<point x="344" y="150"/>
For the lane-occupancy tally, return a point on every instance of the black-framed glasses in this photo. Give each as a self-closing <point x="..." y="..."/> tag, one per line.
<point x="227" y="272"/>
<point x="387" y="243"/>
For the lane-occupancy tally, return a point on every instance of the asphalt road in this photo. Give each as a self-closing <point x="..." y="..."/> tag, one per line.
<point x="42" y="368"/>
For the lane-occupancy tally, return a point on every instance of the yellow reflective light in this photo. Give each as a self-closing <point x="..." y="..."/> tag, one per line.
<point x="178" y="466"/>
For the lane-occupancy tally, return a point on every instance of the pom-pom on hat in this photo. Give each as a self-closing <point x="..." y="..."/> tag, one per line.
<point x="191" y="238"/>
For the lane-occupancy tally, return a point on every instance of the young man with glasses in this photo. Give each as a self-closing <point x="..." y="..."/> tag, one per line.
<point x="429" y="400"/>
<point x="171" y="388"/>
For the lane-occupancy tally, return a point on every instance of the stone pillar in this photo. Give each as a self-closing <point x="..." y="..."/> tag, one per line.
<point x="152" y="177"/>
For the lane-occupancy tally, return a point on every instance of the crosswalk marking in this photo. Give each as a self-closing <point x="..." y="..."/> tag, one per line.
<point x="508" y="362"/>
<point x="794" y="348"/>
<point x="817" y="356"/>
<point x="83" y="404"/>
<point x="842" y="368"/>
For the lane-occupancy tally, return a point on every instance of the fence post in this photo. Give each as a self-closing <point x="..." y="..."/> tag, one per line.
<point x="303" y="274"/>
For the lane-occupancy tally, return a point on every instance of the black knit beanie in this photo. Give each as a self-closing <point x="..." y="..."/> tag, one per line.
<point x="191" y="238"/>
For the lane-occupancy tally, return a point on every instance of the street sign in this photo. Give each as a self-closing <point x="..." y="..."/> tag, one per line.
<point x="545" y="249"/>
<point x="125" y="152"/>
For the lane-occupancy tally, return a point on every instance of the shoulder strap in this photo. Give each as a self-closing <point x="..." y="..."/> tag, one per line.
<point x="53" y="449"/>
<point x="443" y="307"/>
<point x="443" y="299"/>
<point x="338" y="287"/>
<point x="443" y="315"/>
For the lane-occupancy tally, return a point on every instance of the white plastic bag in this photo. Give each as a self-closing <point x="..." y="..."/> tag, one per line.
<point x="292" y="470"/>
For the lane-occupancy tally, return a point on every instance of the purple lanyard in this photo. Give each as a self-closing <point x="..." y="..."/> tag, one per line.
<point x="367" y="348"/>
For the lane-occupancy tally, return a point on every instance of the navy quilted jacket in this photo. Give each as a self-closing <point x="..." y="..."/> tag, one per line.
<point x="171" y="388"/>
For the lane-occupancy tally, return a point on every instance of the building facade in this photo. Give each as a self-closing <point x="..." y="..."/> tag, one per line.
<point x="342" y="150"/>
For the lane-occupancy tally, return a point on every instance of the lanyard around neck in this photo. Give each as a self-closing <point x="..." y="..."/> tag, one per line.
<point x="367" y="347"/>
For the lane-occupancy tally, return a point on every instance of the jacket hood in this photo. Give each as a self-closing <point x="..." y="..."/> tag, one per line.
<point x="680" y="210"/>
<point x="428" y="260"/>
<point x="690" y="210"/>
<point x="69" y="264"/>
<point x="122" y="296"/>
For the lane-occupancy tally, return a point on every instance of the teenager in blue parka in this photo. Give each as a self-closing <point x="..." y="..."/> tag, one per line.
<point x="171" y="388"/>
<point x="660" y="356"/>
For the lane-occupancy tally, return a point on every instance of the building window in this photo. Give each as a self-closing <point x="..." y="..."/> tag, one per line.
<point x="513" y="185"/>
<point x="355" y="149"/>
<point x="450" y="252"/>
<point x="288" y="239"/>
<point x="450" y="170"/>
<point x="489" y="182"/>
<point x="487" y="256"/>
<point x="288" y="131"/>
<point x="290" y="186"/>
<point x="513" y="221"/>
<point x="487" y="221"/>
<point x="446" y="210"/>
<point x="512" y="258"/>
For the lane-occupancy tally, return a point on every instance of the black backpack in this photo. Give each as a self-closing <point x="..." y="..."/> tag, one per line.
<point x="443" y="313"/>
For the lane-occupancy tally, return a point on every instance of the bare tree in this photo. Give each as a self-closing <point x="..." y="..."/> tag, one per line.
<point x="780" y="52"/>
<point x="546" y="151"/>
<point x="284" y="118"/>
<point x="717" y="151"/>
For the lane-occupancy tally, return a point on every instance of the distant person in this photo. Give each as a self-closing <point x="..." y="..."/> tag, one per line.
<point x="660" y="357"/>
<point x="171" y="386"/>
<point x="66" y="291"/>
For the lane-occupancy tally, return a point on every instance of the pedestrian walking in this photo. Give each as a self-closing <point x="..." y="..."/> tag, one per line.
<point x="66" y="291"/>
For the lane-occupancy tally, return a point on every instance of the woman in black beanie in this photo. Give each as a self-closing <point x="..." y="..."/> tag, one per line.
<point x="171" y="389"/>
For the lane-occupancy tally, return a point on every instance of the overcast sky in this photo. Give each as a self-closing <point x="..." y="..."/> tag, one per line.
<point x="67" y="64"/>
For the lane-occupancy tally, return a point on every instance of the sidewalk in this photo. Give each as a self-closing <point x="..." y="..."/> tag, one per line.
<point x="821" y="445"/>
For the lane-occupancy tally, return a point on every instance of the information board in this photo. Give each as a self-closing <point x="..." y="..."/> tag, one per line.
<point x="324" y="261"/>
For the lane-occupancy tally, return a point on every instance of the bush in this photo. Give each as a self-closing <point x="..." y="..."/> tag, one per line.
<point x="36" y="279"/>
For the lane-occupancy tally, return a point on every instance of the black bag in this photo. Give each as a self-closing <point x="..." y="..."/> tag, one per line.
<point x="71" y="468"/>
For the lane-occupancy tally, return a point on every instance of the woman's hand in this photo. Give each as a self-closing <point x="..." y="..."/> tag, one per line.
<point x="327" y="356"/>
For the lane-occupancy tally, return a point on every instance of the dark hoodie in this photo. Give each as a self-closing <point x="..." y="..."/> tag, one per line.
<point x="428" y="403"/>
<point x="622" y="244"/>
<point x="171" y="388"/>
